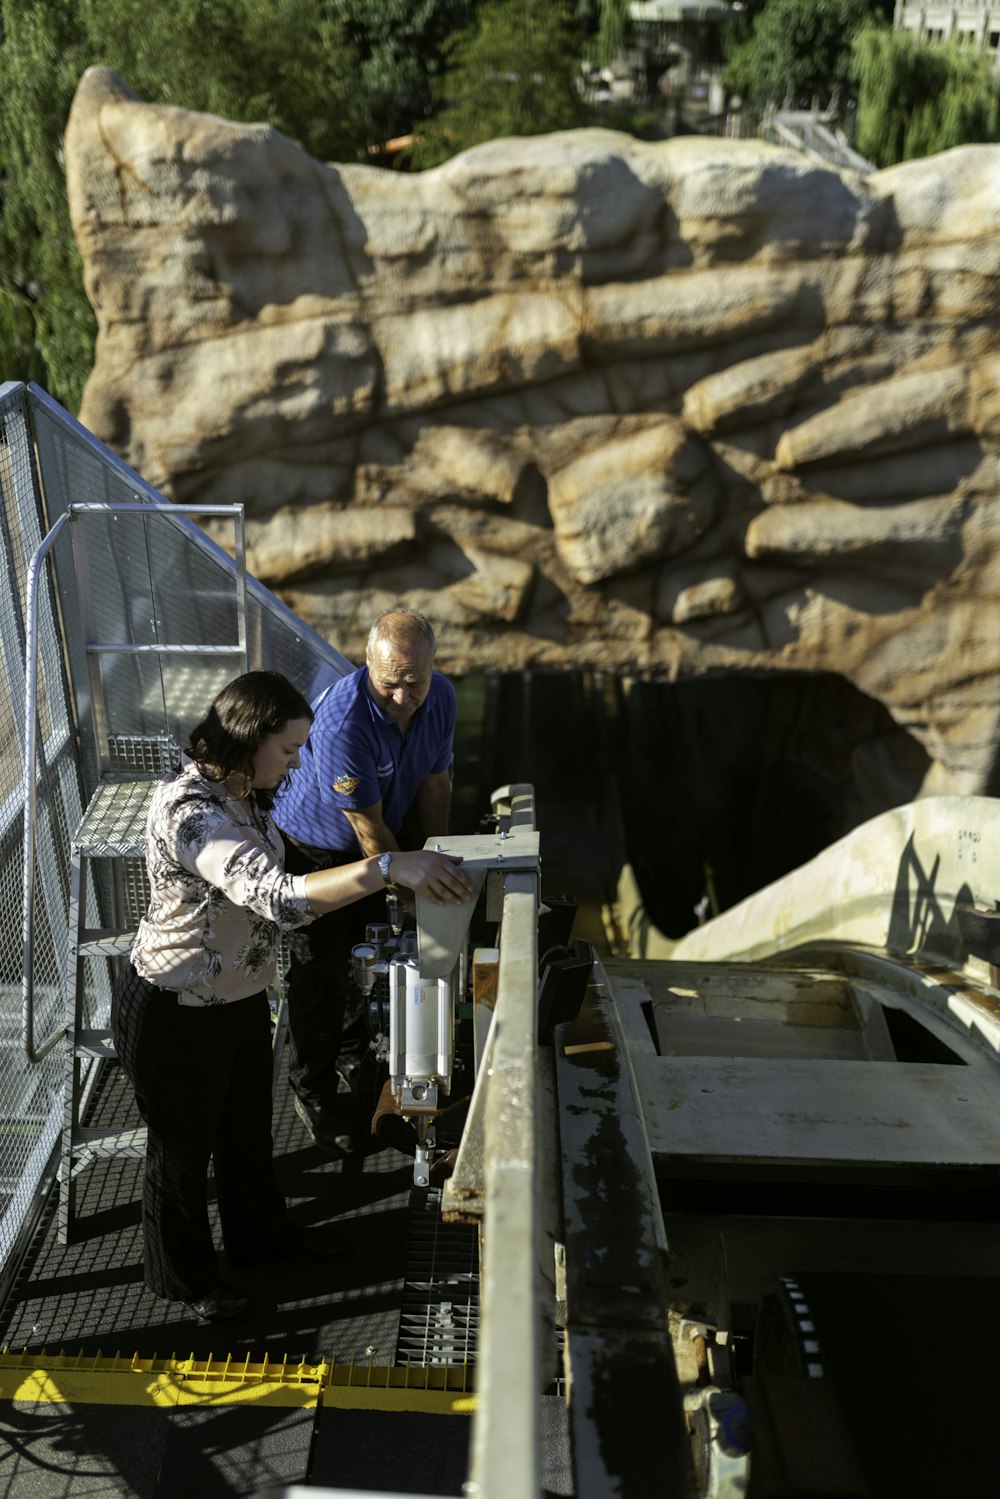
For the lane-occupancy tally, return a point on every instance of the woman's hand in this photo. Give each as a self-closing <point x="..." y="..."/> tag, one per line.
<point x="436" y="876"/>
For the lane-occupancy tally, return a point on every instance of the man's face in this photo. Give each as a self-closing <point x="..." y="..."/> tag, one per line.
<point x="399" y="678"/>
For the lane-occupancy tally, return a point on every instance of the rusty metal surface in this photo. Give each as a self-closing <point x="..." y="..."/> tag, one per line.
<point x="625" y="1406"/>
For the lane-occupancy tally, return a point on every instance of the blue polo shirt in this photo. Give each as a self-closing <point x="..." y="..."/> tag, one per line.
<point x="356" y="757"/>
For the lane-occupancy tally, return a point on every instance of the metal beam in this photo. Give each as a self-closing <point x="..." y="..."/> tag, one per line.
<point x="505" y="1438"/>
<point x="625" y="1401"/>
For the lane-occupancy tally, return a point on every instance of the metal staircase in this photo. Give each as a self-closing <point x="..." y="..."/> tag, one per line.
<point x="109" y="840"/>
<point x="109" y="889"/>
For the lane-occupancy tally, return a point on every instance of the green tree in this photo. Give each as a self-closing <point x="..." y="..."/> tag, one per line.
<point x="46" y="325"/>
<point x="916" y="98"/>
<point x="400" y="46"/>
<point x="513" y="72"/>
<point x="799" y="49"/>
<point x="288" y="62"/>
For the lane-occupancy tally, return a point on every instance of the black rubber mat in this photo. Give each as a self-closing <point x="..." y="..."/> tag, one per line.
<point x="407" y="1452"/>
<point x="98" y="1450"/>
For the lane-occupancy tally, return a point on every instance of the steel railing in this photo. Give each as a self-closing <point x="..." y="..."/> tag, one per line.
<point x="36" y="1051"/>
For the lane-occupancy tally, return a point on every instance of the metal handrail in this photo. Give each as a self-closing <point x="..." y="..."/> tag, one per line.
<point x="36" y="1053"/>
<point x="500" y="1181"/>
<point x="314" y="646"/>
<point x="505" y="1435"/>
<point x="141" y="507"/>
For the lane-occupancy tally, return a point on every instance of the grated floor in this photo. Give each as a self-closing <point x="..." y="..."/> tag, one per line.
<point x="409" y="1292"/>
<point x="439" y="1315"/>
<point x="90" y="1294"/>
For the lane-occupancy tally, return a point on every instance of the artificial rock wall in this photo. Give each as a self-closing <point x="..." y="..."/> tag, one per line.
<point x="657" y="409"/>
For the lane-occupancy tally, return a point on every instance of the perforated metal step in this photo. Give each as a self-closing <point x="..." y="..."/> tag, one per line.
<point x="439" y="1319"/>
<point x="114" y="824"/>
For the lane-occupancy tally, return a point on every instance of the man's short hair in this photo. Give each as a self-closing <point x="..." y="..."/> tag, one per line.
<point x="400" y="627"/>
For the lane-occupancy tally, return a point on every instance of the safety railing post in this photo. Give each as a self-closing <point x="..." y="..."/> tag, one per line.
<point x="34" y="1052"/>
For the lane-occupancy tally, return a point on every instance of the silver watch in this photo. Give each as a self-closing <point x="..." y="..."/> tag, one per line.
<point x="384" y="860"/>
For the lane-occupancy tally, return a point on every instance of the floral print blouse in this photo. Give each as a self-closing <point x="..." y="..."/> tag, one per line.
<point x="218" y="893"/>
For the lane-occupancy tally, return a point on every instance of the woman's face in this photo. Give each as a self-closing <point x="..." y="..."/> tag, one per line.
<point x="279" y="753"/>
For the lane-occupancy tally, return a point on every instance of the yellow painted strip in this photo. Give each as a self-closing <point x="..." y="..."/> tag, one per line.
<point x="95" y="1380"/>
<point x="71" y="1388"/>
<point x="86" y="1379"/>
<point x="430" y="1402"/>
<point x="436" y="1389"/>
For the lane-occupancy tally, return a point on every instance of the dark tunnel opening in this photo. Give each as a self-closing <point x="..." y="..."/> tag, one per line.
<point x="710" y="789"/>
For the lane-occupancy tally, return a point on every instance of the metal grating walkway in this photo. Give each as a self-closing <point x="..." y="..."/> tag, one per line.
<point x="439" y="1318"/>
<point x="327" y="1354"/>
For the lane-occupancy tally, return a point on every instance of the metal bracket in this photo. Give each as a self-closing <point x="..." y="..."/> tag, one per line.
<point x="442" y="929"/>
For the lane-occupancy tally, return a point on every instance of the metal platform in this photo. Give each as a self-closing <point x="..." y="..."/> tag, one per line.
<point x="371" y="1336"/>
<point x="121" y="623"/>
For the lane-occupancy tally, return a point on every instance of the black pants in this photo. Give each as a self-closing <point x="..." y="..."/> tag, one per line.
<point x="318" y="988"/>
<point x="202" y="1079"/>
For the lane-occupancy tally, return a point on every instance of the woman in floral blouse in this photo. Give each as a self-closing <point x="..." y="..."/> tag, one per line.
<point x="190" y="1017"/>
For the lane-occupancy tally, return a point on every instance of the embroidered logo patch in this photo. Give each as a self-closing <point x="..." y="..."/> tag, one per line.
<point x="346" y="784"/>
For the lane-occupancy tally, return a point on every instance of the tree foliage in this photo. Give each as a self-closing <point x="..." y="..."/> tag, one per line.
<point x="799" y="50"/>
<point x="287" y="62"/>
<point x="513" y="72"/>
<point x="46" y="325"/>
<point x="241" y="59"/>
<point x="400" y="46"/>
<point x="916" y="98"/>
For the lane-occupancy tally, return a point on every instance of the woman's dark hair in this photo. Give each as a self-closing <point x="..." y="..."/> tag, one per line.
<point x="245" y="712"/>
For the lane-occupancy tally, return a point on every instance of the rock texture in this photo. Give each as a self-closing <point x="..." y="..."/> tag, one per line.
<point x="662" y="410"/>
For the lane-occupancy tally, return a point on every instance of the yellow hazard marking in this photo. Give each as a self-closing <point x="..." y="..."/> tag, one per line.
<point x="92" y="1379"/>
<point x="438" y="1389"/>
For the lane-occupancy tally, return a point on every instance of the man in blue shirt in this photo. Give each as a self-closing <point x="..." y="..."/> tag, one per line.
<point x="379" y="753"/>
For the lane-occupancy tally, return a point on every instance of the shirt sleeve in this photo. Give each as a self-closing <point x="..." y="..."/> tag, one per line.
<point x="346" y="767"/>
<point x="205" y="842"/>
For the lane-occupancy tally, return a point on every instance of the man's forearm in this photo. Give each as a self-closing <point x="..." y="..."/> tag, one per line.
<point x="433" y="805"/>
<point x="373" y="836"/>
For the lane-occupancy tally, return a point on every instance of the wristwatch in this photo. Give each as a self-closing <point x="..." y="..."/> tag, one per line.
<point x="384" y="860"/>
